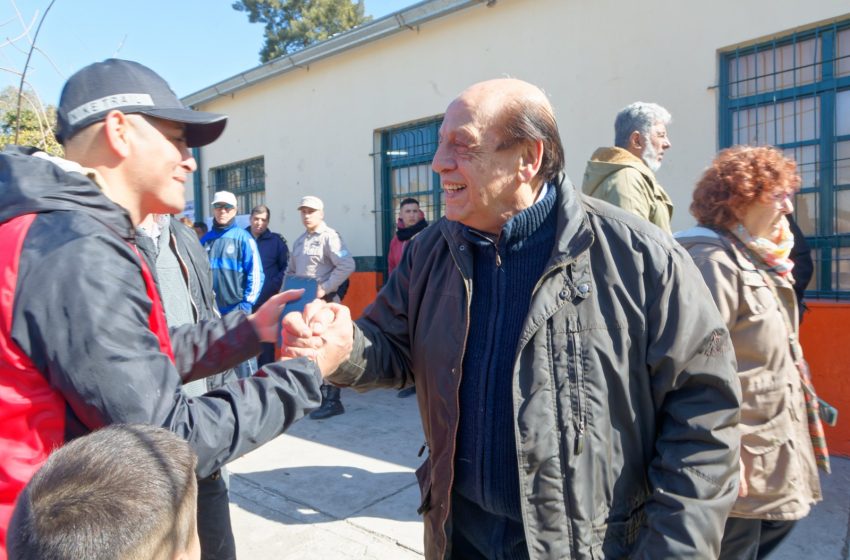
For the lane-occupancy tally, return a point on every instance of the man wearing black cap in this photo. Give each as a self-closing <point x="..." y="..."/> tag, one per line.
<point x="83" y="339"/>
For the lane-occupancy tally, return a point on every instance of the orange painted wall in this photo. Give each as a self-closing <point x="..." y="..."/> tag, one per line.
<point x="825" y="336"/>
<point x="362" y="291"/>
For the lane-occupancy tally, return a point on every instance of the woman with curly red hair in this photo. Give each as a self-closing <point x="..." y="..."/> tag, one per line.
<point x="742" y="247"/>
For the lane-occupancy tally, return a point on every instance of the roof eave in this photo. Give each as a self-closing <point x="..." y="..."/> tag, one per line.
<point x="407" y="18"/>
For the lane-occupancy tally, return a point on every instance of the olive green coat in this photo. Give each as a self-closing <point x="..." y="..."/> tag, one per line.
<point x="618" y="177"/>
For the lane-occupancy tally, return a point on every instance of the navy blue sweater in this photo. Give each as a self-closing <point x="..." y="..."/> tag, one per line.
<point x="506" y="269"/>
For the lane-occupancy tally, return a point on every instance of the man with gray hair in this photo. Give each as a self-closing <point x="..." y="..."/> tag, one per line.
<point x="624" y="175"/>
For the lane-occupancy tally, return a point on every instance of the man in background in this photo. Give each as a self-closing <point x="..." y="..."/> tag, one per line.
<point x="320" y="253"/>
<point x="183" y="275"/>
<point x="274" y="255"/>
<point x="235" y="263"/>
<point x="411" y="221"/>
<point x="624" y="175"/>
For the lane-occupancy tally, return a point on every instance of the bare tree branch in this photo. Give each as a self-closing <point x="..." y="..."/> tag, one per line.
<point x="26" y="65"/>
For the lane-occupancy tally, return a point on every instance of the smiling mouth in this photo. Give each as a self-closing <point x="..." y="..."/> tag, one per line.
<point x="453" y="187"/>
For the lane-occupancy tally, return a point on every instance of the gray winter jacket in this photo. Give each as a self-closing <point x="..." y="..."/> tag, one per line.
<point x="196" y="267"/>
<point x="624" y="387"/>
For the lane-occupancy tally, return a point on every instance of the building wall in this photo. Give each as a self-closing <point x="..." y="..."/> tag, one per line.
<point x="317" y="126"/>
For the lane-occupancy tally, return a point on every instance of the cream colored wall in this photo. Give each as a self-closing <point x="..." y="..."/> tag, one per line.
<point x="316" y="126"/>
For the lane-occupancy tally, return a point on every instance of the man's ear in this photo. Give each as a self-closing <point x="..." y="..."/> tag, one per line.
<point x="531" y="158"/>
<point x="116" y="127"/>
<point x="636" y="140"/>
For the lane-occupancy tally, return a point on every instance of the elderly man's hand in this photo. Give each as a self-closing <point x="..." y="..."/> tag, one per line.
<point x="266" y="320"/>
<point x="324" y="333"/>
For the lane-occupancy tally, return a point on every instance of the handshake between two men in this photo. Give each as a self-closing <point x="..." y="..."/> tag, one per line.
<point x="323" y="333"/>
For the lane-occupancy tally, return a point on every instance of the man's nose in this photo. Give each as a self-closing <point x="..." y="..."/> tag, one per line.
<point x="442" y="160"/>
<point x="189" y="162"/>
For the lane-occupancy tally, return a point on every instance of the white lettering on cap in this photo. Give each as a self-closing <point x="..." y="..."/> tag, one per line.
<point x="106" y="103"/>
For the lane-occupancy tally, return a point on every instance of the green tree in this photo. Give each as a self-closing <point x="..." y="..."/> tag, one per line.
<point x="292" y="25"/>
<point x="36" y="122"/>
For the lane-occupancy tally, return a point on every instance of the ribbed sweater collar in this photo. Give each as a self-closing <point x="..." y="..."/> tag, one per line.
<point x="522" y="226"/>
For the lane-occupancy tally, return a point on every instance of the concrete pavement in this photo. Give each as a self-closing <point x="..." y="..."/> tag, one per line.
<point x="344" y="489"/>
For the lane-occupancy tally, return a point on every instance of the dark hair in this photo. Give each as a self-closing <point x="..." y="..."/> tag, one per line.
<point x="259" y="209"/>
<point x="736" y="179"/>
<point x="126" y="491"/>
<point x="529" y="120"/>
<point x="407" y="201"/>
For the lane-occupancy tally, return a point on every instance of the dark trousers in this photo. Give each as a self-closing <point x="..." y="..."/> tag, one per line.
<point x="214" y="529"/>
<point x="266" y="355"/>
<point x="752" y="539"/>
<point x="479" y="535"/>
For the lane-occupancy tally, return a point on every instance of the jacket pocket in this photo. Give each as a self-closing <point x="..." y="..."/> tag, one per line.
<point x="768" y="455"/>
<point x="423" y="476"/>
<point x="615" y="539"/>
<point x="757" y="295"/>
<point x="567" y="370"/>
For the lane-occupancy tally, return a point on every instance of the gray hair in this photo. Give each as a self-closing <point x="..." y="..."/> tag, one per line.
<point x="640" y="117"/>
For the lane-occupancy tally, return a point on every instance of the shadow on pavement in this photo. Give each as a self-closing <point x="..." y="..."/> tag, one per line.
<point x="320" y="494"/>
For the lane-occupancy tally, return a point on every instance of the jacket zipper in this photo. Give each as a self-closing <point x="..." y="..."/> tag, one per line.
<point x="577" y="385"/>
<point x="458" y="373"/>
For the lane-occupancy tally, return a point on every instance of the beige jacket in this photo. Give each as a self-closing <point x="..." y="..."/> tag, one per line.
<point x="618" y="177"/>
<point x="321" y="255"/>
<point x="779" y="462"/>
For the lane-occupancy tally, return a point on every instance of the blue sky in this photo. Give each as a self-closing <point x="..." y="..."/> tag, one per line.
<point x="191" y="43"/>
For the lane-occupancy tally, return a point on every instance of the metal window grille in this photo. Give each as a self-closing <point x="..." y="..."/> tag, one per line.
<point x="406" y="154"/>
<point x="245" y="179"/>
<point x="794" y="93"/>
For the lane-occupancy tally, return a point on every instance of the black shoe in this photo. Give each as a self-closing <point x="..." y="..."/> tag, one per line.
<point x="331" y="405"/>
<point x="328" y="409"/>
<point x="409" y="392"/>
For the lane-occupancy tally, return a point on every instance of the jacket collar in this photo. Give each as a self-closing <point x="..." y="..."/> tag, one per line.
<point x="709" y="236"/>
<point x="572" y="238"/>
<point x="31" y="184"/>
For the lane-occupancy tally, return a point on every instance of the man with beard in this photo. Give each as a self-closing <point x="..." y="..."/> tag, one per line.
<point x="624" y="175"/>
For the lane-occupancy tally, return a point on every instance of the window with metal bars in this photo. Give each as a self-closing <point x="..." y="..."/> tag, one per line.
<point x="794" y="93"/>
<point x="406" y="154"/>
<point x="245" y="179"/>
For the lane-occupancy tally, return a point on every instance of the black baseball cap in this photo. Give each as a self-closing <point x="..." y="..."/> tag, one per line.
<point x="128" y="87"/>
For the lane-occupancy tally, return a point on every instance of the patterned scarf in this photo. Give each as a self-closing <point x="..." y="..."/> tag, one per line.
<point x="774" y="252"/>
<point x="813" y="404"/>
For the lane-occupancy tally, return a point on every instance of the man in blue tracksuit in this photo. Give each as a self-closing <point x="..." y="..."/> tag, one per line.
<point x="236" y="266"/>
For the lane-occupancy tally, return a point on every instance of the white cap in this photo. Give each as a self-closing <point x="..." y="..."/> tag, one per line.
<point x="224" y="197"/>
<point x="313" y="202"/>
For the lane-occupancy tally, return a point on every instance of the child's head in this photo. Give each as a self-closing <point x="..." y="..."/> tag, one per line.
<point x="126" y="492"/>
